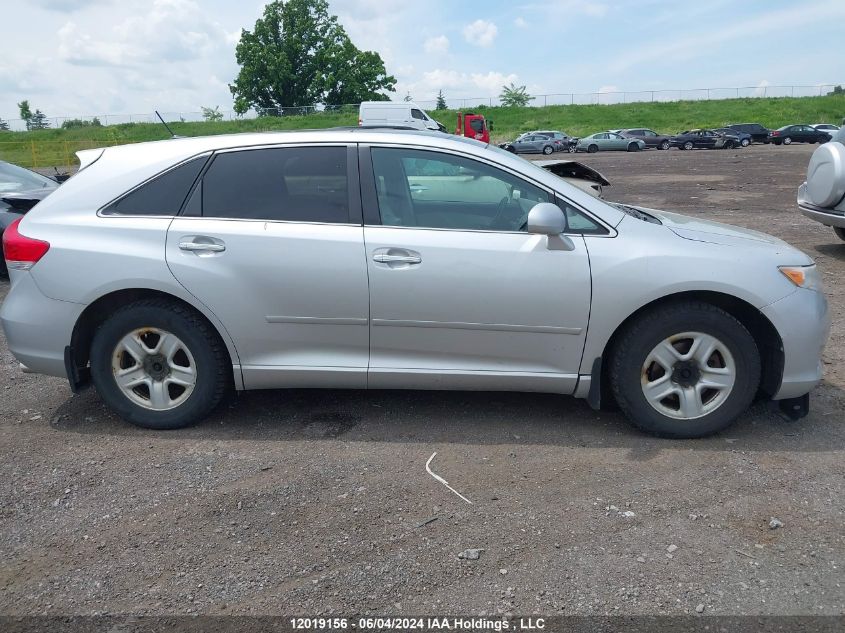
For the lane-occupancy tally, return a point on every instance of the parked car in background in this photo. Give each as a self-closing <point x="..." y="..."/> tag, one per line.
<point x="20" y="190"/>
<point x="822" y="196"/>
<point x="704" y="139"/>
<point x="745" y="139"/>
<point x="825" y="127"/>
<point x="562" y="139"/>
<point x="759" y="133"/>
<point x="789" y="134"/>
<point x="530" y="144"/>
<point x="652" y="139"/>
<point x="442" y="263"/>
<point x="609" y="141"/>
<point x="577" y="174"/>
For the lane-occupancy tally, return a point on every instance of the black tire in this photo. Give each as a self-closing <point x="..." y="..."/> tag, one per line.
<point x="664" y="145"/>
<point x="572" y="149"/>
<point x="633" y="147"/>
<point x="548" y="149"/>
<point x="213" y="369"/>
<point x="592" y="149"/>
<point x="840" y="232"/>
<point x="787" y="140"/>
<point x="688" y="145"/>
<point x="636" y="342"/>
<point x="745" y="142"/>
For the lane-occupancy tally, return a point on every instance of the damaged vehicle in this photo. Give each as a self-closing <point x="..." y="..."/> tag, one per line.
<point x="20" y="190"/>
<point x="169" y="273"/>
<point x="577" y="174"/>
<point x="705" y="139"/>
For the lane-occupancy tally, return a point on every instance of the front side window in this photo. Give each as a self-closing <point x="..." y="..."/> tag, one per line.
<point x="477" y="125"/>
<point x="417" y="114"/>
<point x="294" y="184"/>
<point x="426" y="189"/>
<point x="163" y="195"/>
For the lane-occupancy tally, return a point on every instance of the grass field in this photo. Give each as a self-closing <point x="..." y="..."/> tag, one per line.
<point x="45" y="148"/>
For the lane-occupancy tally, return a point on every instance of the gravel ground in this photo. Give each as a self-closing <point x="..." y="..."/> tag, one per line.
<point x="317" y="502"/>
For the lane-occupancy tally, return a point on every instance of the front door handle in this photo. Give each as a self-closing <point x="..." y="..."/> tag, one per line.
<point x="384" y="258"/>
<point x="396" y="257"/>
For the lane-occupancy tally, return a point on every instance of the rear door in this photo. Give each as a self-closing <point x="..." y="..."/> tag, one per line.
<point x="460" y="295"/>
<point x="271" y="242"/>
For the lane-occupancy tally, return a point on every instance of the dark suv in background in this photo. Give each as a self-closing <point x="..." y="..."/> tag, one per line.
<point x="759" y="133"/>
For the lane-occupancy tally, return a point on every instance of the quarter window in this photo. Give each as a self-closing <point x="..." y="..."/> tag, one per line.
<point x="163" y="195"/>
<point x="433" y="190"/>
<point x="298" y="184"/>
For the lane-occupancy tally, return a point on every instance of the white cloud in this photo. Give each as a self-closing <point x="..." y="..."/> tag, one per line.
<point x="67" y="6"/>
<point x="470" y="84"/>
<point x="606" y="89"/>
<point x="481" y="33"/>
<point x="173" y="30"/>
<point x="438" y="45"/>
<point x="520" y="23"/>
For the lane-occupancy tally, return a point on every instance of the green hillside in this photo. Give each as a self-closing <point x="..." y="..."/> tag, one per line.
<point x="43" y="148"/>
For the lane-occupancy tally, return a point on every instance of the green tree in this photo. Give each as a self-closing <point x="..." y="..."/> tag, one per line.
<point x="211" y="114"/>
<point x="38" y="121"/>
<point x="514" y="96"/>
<point x="26" y="112"/>
<point x="441" y="101"/>
<point x="837" y="90"/>
<point x="299" y="55"/>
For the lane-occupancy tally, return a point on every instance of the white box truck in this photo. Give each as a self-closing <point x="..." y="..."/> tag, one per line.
<point x="395" y="113"/>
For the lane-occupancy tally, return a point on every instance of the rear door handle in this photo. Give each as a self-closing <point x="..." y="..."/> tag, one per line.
<point x="201" y="244"/>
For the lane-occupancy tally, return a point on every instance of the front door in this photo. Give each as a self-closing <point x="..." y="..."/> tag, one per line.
<point x="270" y="245"/>
<point x="461" y="296"/>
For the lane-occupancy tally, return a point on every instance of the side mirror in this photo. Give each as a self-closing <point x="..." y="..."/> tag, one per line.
<point x="546" y="218"/>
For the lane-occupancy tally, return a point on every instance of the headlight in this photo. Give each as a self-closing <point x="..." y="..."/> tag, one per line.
<point x="803" y="276"/>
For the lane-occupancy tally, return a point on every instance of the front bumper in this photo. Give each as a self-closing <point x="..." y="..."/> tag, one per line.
<point x="37" y="328"/>
<point x="803" y="321"/>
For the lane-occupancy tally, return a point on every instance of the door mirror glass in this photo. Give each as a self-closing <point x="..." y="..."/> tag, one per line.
<point x="546" y="218"/>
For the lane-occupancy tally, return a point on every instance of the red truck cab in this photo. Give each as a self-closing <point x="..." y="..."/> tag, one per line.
<point x="473" y="126"/>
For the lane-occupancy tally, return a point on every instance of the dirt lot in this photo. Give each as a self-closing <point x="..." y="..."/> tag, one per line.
<point x="318" y="502"/>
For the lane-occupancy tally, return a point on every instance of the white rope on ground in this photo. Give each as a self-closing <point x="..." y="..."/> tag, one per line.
<point x="441" y="480"/>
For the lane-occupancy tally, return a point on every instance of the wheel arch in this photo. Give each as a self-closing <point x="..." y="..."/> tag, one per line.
<point x="766" y="337"/>
<point x="95" y="314"/>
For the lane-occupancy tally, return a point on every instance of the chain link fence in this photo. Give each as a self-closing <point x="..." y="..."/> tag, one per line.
<point x="563" y="98"/>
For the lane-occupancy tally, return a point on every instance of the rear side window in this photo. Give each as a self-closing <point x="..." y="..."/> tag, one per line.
<point x="163" y="195"/>
<point x="294" y="184"/>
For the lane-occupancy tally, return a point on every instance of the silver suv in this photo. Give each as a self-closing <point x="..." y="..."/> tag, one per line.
<point x="168" y="273"/>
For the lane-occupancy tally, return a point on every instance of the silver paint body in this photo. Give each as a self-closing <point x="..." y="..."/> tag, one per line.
<point x="302" y="304"/>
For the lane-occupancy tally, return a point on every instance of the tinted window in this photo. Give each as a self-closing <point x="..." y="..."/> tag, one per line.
<point x="417" y="114"/>
<point x="305" y="184"/>
<point x="162" y="195"/>
<point x="433" y="190"/>
<point x="477" y="125"/>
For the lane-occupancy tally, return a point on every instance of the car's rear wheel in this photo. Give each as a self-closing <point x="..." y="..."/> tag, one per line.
<point x="159" y="365"/>
<point x="745" y="142"/>
<point x="787" y="140"/>
<point x="633" y="147"/>
<point x="687" y="145"/>
<point x="572" y="149"/>
<point x="548" y="149"/>
<point x="840" y="232"/>
<point x="684" y="370"/>
<point x="664" y="145"/>
<point x="593" y="149"/>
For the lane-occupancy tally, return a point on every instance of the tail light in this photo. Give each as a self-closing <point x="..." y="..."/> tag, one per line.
<point x="360" y="122"/>
<point x="22" y="252"/>
<point x="775" y="133"/>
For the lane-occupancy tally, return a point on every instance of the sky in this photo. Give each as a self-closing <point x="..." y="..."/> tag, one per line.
<point x="94" y="57"/>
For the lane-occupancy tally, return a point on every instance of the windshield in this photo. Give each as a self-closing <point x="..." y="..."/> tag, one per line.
<point x="14" y="178"/>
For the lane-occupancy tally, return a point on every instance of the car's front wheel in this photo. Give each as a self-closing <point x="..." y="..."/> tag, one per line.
<point x="688" y="145"/>
<point x="840" y="232"/>
<point x="633" y="147"/>
<point x="684" y="370"/>
<point x="548" y="149"/>
<point x="159" y="365"/>
<point x="745" y="142"/>
<point x="592" y="149"/>
<point x="664" y="145"/>
<point x="573" y="149"/>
